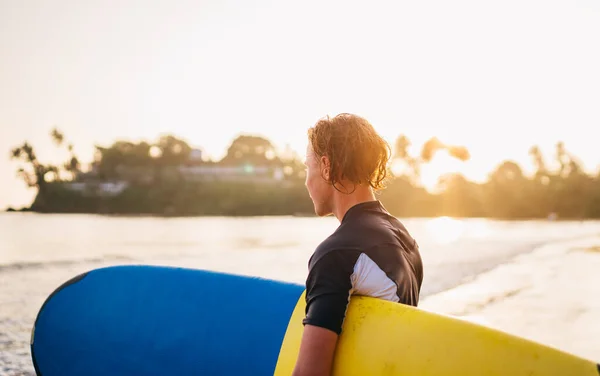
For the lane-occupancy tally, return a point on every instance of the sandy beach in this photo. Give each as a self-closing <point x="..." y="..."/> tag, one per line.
<point x="548" y="295"/>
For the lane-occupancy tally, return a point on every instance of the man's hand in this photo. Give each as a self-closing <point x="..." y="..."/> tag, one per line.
<point x="317" y="349"/>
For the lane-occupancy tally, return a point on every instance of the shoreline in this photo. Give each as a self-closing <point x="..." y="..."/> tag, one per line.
<point x="296" y="215"/>
<point x="548" y="296"/>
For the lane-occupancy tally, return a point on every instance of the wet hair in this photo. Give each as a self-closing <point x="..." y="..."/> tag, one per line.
<point x="355" y="150"/>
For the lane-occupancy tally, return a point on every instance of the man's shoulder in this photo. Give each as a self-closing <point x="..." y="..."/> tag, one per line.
<point x="334" y="246"/>
<point x="365" y="231"/>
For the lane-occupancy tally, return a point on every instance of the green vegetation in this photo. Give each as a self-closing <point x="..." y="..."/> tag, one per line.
<point x="168" y="177"/>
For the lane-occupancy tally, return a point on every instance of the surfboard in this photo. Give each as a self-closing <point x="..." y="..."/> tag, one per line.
<point x="154" y="320"/>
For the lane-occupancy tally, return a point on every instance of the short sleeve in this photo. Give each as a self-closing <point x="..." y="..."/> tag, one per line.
<point x="328" y="289"/>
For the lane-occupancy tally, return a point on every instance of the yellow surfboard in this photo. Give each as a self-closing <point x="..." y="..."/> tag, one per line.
<point x="385" y="338"/>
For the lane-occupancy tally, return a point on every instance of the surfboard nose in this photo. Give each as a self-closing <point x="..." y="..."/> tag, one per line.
<point x="69" y="282"/>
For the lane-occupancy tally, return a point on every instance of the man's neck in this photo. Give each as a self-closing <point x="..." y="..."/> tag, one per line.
<point x="343" y="202"/>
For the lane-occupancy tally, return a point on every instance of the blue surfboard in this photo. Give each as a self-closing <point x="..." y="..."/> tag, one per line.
<point x="150" y="320"/>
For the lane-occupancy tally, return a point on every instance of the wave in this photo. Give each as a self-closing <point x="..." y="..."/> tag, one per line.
<point x="26" y="265"/>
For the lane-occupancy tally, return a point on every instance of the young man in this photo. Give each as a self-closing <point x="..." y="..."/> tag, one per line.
<point x="371" y="253"/>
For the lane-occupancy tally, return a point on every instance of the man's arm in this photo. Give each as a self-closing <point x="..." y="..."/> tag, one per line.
<point x="317" y="349"/>
<point x="328" y="290"/>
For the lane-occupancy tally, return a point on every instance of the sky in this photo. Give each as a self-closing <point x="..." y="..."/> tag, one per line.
<point x="497" y="77"/>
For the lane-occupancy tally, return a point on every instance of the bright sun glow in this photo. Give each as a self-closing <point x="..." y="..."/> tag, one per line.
<point x="441" y="165"/>
<point x="475" y="169"/>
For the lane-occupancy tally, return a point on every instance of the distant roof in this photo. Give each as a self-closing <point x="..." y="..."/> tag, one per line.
<point x="196" y="154"/>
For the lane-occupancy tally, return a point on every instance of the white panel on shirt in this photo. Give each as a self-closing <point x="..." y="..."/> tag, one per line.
<point x="369" y="280"/>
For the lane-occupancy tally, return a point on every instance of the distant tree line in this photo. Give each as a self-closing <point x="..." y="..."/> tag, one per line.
<point x="157" y="185"/>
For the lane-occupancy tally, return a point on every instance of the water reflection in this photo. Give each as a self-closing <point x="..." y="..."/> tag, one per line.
<point x="479" y="228"/>
<point x="444" y="230"/>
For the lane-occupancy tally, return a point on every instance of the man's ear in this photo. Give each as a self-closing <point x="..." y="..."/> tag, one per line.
<point x="325" y="167"/>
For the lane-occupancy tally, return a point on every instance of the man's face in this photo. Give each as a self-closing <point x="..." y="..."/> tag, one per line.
<point x="319" y="190"/>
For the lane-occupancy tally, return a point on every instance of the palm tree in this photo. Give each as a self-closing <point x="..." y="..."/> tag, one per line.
<point x="401" y="154"/>
<point x="57" y="137"/>
<point x="538" y="161"/>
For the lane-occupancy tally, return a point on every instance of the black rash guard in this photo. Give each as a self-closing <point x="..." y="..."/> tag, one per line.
<point x="371" y="254"/>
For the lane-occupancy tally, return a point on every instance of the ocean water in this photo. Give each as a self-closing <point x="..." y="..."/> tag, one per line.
<point x="39" y="252"/>
<point x="273" y="247"/>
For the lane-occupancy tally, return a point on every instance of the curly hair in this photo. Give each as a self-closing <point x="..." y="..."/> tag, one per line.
<point x="355" y="150"/>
